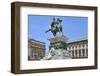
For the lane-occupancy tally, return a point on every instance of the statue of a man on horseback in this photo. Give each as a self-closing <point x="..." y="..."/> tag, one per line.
<point x="55" y="27"/>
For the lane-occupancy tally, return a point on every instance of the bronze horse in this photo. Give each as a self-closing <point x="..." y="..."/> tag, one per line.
<point x="55" y="27"/>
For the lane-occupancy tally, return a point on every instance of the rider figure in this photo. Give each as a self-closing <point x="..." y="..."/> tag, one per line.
<point x="55" y="26"/>
<point x="59" y="25"/>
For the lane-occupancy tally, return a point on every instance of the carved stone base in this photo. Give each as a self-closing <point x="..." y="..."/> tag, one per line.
<point x="56" y="54"/>
<point x="58" y="48"/>
<point x="58" y="42"/>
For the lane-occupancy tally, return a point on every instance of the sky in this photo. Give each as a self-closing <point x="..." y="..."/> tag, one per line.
<point x="74" y="27"/>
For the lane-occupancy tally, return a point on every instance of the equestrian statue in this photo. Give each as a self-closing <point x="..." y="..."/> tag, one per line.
<point x="56" y="27"/>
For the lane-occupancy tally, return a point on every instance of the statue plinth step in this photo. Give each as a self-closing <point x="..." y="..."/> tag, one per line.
<point x="58" y="38"/>
<point x="59" y="41"/>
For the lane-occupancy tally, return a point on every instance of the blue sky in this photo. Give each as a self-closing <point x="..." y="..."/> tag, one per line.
<point x="73" y="27"/>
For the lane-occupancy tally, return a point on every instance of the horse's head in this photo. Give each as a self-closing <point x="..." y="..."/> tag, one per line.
<point x="59" y="20"/>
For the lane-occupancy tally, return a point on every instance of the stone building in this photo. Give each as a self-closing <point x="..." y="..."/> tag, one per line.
<point x="78" y="48"/>
<point x="36" y="49"/>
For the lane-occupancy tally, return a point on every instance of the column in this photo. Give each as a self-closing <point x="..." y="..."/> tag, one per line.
<point x="74" y="53"/>
<point x="77" y="53"/>
<point x="85" y="52"/>
<point x="71" y="53"/>
<point x="81" y="53"/>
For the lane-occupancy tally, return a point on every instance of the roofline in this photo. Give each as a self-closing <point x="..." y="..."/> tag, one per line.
<point x="36" y="40"/>
<point x="77" y="40"/>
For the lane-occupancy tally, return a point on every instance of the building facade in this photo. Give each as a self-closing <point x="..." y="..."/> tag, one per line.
<point x="78" y="48"/>
<point x="36" y="49"/>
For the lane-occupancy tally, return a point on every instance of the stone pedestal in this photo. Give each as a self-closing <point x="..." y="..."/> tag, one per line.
<point x="58" y="42"/>
<point x="60" y="54"/>
<point x="58" y="48"/>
